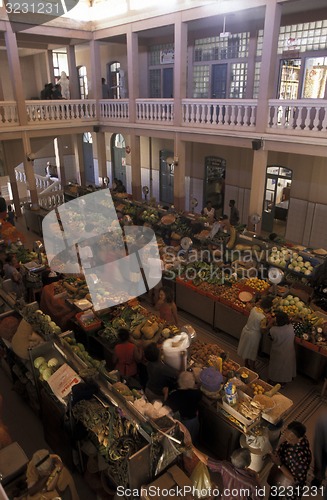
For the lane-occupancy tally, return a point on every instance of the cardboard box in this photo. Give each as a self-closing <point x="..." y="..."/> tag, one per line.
<point x="170" y="480"/>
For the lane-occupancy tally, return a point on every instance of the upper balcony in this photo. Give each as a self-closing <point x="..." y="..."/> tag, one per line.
<point x="305" y="118"/>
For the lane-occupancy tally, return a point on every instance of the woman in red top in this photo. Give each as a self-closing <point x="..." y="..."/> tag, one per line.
<point x="166" y="306"/>
<point x="126" y="355"/>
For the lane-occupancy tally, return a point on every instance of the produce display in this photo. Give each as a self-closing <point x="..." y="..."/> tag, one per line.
<point x="116" y="438"/>
<point x="139" y="321"/>
<point x="150" y="215"/>
<point x="42" y="323"/>
<point x="301" y="264"/>
<point x="79" y="350"/>
<point x="280" y="257"/>
<point x="256" y="284"/>
<point x="46" y="368"/>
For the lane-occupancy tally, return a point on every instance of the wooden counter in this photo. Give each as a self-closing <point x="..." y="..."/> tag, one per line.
<point x="192" y="302"/>
<point x="228" y="320"/>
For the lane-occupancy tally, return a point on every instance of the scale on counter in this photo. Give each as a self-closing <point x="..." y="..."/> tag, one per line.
<point x="145" y="191"/>
<point x="275" y="276"/>
<point x="194" y="204"/>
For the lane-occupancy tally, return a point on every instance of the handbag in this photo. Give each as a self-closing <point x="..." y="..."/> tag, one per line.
<point x="277" y="478"/>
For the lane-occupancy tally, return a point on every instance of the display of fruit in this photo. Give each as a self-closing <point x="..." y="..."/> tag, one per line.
<point x="300" y="264"/>
<point x="257" y="388"/>
<point x="42" y="323"/>
<point x="292" y="306"/>
<point x="257" y="284"/>
<point x="200" y="352"/>
<point x="229" y="367"/>
<point x="280" y="257"/>
<point x="46" y="368"/>
<point x="150" y="215"/>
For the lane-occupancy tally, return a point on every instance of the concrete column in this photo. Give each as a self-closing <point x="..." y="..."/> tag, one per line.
<point x="132" y="72"/>
<point x="100" y="138"/>
<point x="180" y="68"/>
<point x="79" y="158"/>
<point x="13" y="184"/>
<point x="136" y="167"/>
<point x="251" y="63"/>
<point x="29" y="171"/>
<point x="96" y="89"/>
<point x="50" y="67"/>
<point x="268" y="62"/>
<point x="179" y="173"/>
<point x="73" y="77"/>
<point x="260" y="158"/>
<point x="59" y="154"/>
<point x="15" y="73"/>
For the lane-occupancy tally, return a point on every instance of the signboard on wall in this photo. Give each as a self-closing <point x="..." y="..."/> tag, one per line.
<point x="167" y="56"/>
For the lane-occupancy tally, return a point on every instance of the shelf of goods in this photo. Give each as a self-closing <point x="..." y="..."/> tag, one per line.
<point x="258" y="402"/>
<point x="130" y="443"/>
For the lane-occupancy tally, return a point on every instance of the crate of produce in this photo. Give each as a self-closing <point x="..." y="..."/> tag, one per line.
<point x="259" y="387"/>
<point x="302" y="264"/>
<point x="247" y="375"/>
<point x="230" y="367"/>
<point x="88" y="321"/>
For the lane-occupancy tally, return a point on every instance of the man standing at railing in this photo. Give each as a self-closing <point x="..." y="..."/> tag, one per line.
<point x="105" y="89"/>
<point x="51" y="170"/>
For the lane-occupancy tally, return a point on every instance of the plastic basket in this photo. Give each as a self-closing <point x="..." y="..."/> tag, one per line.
<point x="94" y="326"/>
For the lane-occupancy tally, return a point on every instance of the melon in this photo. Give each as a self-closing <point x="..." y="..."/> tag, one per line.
<point x="39" y="361"/>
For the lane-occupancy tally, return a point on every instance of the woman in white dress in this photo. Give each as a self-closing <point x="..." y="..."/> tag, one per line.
<point x="282" y="364"/>
<point x="64" y="84"/>
<point x="251" y="334"/>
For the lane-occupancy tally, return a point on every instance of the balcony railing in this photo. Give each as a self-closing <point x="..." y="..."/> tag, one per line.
<point x="299" y="117"/>
<point x="223" y="114"/>
<point x="155" y="111"/>
<point x="114" y="110"/>
<point x="51" y="200"/>
<point x="61" y="111"/>
<point x="306" y="117"/>
<point x="8" y="113"/>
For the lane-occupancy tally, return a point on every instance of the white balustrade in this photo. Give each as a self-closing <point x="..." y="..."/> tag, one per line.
<point x="155" y="110"/>
<point x="301" y="117"/>
<point x="20" y="176"/>
<point x="8" y="113"/>
<point x="51" y="200"/>
<point x="114" y="109"/>
<point x="219" y="114"/>
<point x="61" y="110"/>
<point x="52" y="186"/>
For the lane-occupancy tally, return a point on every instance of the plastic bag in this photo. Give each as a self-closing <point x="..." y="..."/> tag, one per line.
<point x="201" y="481"/>
<point x="169" y="454"/>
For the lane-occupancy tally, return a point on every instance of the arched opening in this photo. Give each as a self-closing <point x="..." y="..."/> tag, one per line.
<point x="118" y="157"/>
<point x="276" y="199"/>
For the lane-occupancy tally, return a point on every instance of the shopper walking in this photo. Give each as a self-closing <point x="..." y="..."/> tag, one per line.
<point x="186" y="400"/>
<point x="251" y="334"/>
<point x="11" y="215"/>
<point x="161" y="378"/>
<point x="234" y="213"/>
<point x="282" y="363"/>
